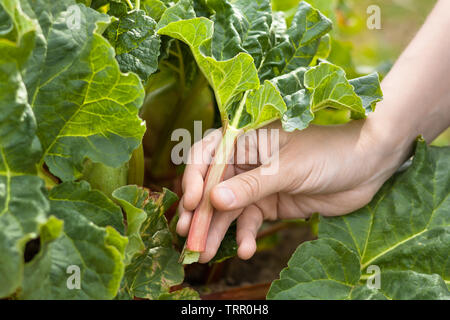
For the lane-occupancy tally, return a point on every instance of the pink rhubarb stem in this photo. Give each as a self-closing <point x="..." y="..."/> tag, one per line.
<point x="198" y="232"/>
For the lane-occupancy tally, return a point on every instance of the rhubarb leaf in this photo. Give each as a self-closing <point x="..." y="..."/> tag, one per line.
<point x="297" y="98"/>
<point x="154" y="8"/>
<point x="240" y="26"/>
<point x="92" y="204"/>
<point x="88" y="243"/>
<point x="231" y="78"/>
<point x="329" y="87"/>
<point x="369" y="90"/>
<point x="404" y="231"/>
<point x="134" y="38"/>
<point x="182" y="10"/>
<point x="132" y="198"/>
<point x="299" y="45"/>
<point x="23" y="205"/>
<point x="154" y="270"/>
<point x="91" y="116"/>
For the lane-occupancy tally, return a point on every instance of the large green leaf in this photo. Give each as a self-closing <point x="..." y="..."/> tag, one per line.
<point x="230" y="78"/>
<point x="23" y="205"/>
<point x="404" y="231"/>
<point x="88" y="242"/>
<point x="85" y="107"/>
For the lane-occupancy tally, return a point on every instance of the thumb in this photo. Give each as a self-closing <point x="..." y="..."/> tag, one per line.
<point x="245" y="189"/>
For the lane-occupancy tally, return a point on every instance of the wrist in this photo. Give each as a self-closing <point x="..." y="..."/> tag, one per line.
<point x="391" y="140"/>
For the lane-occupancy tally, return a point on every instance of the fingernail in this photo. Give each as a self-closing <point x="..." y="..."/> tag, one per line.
<point x="226" y="195"/>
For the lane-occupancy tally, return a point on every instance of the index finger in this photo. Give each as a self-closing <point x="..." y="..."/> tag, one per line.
<point x="200" y="157"/>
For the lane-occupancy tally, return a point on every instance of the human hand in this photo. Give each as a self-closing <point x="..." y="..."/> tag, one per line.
<point x="332" y="170"/>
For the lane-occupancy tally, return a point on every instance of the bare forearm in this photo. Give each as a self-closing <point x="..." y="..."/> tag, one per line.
<point x="417" y="90"/>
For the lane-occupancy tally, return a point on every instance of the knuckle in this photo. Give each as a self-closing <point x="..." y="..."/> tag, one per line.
<point x="251" y="185"/>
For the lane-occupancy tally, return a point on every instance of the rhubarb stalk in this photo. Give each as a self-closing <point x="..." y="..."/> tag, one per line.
<point x="198" y="232"/>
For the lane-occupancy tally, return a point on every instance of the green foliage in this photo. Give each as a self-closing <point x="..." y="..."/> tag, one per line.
<point x="242" y="51"/>
<point x="88" y="240"/>
<point x="74" y="76"/>
<point x="134" y="39"/>
<point x="154" y="268"/>
<point x="405" y="231"/>
<point x="65" y="105"/>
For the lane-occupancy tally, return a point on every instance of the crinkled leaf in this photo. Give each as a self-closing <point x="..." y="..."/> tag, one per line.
<point x="264" y="105"/>
<point x="329" y="87"/>
<point x="241" y="26"/>
<point x="95" y="113"/>
<point x="299" y="45"/>
<point x="308" y="91"/>
<point x="405" y="231"/>
<point x="88" y="242"/>
<point x="152" y="273"/>
<point x="230" y="78"/>
<point x="297" y="98"/>
<point x="136" y="43"/>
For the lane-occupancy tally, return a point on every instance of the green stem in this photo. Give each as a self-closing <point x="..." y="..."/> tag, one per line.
<point x="129" y="4"/>
<point x="138" y="4"/>
<point x="240" y="110"/>
<point x="136" y="171"/>
<point x="104" y="178"/>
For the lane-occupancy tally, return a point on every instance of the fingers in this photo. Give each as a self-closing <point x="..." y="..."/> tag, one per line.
<point x="248" y="225"/>
<point x="219" y="225"/>
<point x="245" y="189"/>
<point x="199" y="159"/>
<point x="184" y="220"/>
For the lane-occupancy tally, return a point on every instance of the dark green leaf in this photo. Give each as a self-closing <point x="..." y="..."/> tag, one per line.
<point x="88" y="242"/>
<point x="90" y="117"/>
<point x="136" y="43"/>
<point x="404" y="231"/>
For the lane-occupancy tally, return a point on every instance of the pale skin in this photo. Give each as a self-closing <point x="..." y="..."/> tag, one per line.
<point x="332" y="170"/>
